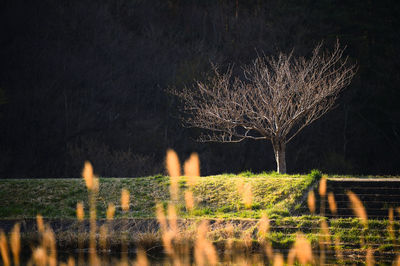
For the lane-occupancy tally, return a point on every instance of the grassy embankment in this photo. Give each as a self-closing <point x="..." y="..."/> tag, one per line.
<point x="216" y="197"/>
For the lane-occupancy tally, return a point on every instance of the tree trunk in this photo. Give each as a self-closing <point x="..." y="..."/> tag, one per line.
<point x="280" y="156"/>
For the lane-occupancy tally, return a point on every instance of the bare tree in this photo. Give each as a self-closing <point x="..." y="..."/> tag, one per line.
<point x="278" y="97"/>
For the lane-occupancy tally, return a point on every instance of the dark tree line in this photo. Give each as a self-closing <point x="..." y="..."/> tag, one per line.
<point x="87" y="80"/>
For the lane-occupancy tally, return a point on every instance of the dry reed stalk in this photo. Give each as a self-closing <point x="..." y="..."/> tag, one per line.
<point x="291" y="256"/>
<point x="161" y="217"/>
<point x="166" y="238"/>
<point x="390" y="225"/>
<point x="324" y="240"/>
<point x="110" y="212"/>
<point x="263" y="225"/>
<point x="358" y="208"/>
<point x="311" y="201"/>
<point x="172" y="219"/>
<point x="40" y="223"/>
<point x="39" y="256"/>
<point x="49" y="244"/>
<point x="247" y="195"/>
<point x="125" y="200"/>
<point x="192" y="169"/>
<point x="4" y="249"/>
<point x="141" y="258"/>
<point x="80" y="214"/>
<point x="15" y="243"/>
<point x="326" y="236"/>
<point x="338" y="250"/>
<point x="229" y="230"/>
<point x="303" y="249"/>
<point x="322" y="186"/>
<point x="103" y="237"/>
<point x="189" y="200"/>
<point x="71" y="261"/>
<point x="369" y="257"/>
<point x="332" y="203"/>
<point x="87" y="174"/>
<point x="174" y="171"/>
<point x="172" y="164"/>
<point x="204" y="250"/>
<point x="278" y="260"/>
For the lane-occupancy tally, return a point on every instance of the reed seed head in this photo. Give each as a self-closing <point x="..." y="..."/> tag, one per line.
<point x="332" y="203"/>
<point x="161" y="216"/>
<point x="322" y="186"/>
<point x="192" y="169"/>
<point x="40" y="223"/>
<point x="263" y="225"/>
<point x="87" y="174"/>
<point x="172" y="163"/>
<point x="369" y="258"/>
<point x="311" y="201"/>
<point x="278" y="260"/>
<point x="110" y="211"/>
<point x="303" y="249"/>
<point x="358" y="207"/>
<point x="125" y="199"/>
<point x="141" y="259"/>
<point x="4" y="248"/>
<point x="247" y="195"/>
<point x="39" y="256"/>
<point x="189" y="200"/>
<point x="15" y="243"/>
<point x="80" y="214"/>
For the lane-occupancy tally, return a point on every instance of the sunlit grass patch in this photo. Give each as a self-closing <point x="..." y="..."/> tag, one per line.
<point x="214" y="196"/>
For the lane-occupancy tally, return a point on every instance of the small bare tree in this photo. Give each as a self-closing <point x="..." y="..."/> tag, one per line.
<point x="277" y="99"/>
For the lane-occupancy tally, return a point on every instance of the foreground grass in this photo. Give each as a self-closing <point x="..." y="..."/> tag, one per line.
<point x="215" y="196"/>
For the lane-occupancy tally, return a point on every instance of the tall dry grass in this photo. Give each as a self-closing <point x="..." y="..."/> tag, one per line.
<point x="184" y="246"/>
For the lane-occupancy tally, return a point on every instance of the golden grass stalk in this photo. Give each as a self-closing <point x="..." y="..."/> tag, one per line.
<point x="80" y="214"/>
<point x="303" y="249"/>
<point x="247" y="195"/>
<point x="369" y="258"/>
<point x="161" y="216"/>
<point x="192" y="169"/>
<point x="87" y="174"/>
<point x="125" y="200"/>
<point x="390" y="225"/>
<point x="4" y="248"/>
<point x="311" y="201"/>
<point x="325" y="233"/>
<point x="49" y="243"/>
<point x="141" y="259"/>
<point x="172" y="218"/>
<point x="103" y="237"/>
<point x="172" y="164"/>
<point x="278" y="260"/>
<point x="110" y="212"/>
<point x="204" y="250"/>
<point x="338" y="250"/>
<point x="332" y="203"/>
<point x="189" y="200"/>
<point x="322" y="186"/>
<point x="71" y="261"/>
<point x="40" y="223"/>
<point x="39" y="256"/>
<point x="263" y="225"/>
<point x="15" y="243"/>
<point x="358" y="208"/>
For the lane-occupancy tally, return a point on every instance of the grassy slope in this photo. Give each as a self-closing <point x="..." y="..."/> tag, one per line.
<point x="216" y="196"/>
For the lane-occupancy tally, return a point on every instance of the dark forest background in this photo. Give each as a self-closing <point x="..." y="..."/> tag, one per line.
<point x="86" y="80"/>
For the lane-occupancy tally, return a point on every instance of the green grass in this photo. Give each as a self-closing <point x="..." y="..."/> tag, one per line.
<point x="216" y="196"/>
